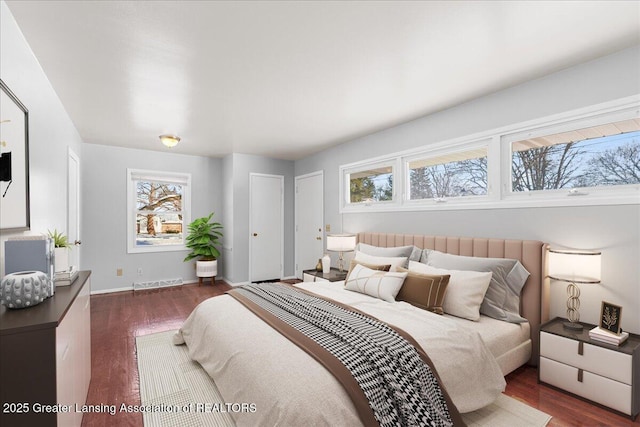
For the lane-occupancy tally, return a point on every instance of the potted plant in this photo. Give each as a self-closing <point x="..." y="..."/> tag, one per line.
<point x="61" y="250"/>
<point x="203" y="239"/>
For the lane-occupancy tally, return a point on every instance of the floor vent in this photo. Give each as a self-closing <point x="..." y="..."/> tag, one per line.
<point x="155" y="284"/>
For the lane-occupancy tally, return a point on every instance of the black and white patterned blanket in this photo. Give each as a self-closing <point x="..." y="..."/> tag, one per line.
<point x="401" y="388"/>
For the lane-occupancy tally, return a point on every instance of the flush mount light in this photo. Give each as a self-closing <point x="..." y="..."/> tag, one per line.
<point x="169" y="140"/>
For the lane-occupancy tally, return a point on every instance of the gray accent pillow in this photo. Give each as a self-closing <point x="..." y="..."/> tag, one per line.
<point x="502" y="300"/>
<point x="413" y="253"/>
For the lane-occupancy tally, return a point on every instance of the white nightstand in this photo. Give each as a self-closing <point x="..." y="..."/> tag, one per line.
<point x="603" y="373"/>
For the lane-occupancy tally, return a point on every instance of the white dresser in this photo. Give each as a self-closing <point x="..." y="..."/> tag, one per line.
<point x="606" y="374"/>
<point x="45" y="362"/>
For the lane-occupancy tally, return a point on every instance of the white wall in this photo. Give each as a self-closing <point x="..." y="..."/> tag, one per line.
<point x="613" y="229"/>
<point x="104" y="213"/>
<point x="227" y="209"/>
<point x="240" y="166"/>
<point x="51" y="131"/>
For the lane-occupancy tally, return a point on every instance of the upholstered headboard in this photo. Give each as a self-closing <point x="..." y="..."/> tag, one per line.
<point x="534" y="300"/>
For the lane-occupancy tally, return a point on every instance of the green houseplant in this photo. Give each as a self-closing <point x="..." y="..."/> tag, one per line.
<point x="61" y="251"/>
<point x="59" y="239"/>
<point x="203" y="240"/>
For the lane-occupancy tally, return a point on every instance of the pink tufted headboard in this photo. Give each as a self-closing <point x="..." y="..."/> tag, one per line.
<point x="534" y="300"/>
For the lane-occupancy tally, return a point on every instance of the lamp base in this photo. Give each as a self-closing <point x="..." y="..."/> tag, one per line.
<point x="576" y="326"/>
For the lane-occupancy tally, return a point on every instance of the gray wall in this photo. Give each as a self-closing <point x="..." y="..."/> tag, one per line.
<point x="104" y="212"/>
<point x="51" y="131"/>
<point x="613" y="229"/>
<point x="241" y="166"/>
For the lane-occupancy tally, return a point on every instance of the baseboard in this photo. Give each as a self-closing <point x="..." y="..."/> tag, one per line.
<point x="109" y="291"/>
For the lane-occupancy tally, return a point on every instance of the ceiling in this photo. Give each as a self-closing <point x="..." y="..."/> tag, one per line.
<point x="287" y="79"/>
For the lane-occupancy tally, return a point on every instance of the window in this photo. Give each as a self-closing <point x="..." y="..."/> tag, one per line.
<point x="597" y="156"/>
<point x="370" y="183"/>
<point x="375" y="184"/>
<point x="158" y="206"/>
<point x="593" y="153"/>
<point x="454" y="174"/>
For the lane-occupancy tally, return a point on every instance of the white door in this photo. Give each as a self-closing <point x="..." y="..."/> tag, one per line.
<point x="309" y="207"/>
<point x="266" y="227"/>
<point x="73" y="214"/>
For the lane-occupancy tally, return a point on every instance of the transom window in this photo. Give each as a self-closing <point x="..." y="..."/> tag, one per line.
<point x="603" y="155"/>
<point x="456" y="174"/>
<point x="372" y="184"/>
<point x="158" y="210"/>
<point x="593" y="153"/>
<point x="369" y="183"/>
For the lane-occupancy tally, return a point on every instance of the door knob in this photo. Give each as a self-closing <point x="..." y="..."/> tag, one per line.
<point x="77" y="242"/>
<point x="255" y="234"/>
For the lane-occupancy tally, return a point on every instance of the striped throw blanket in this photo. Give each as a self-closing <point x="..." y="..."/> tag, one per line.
<point x="400" y="387"/>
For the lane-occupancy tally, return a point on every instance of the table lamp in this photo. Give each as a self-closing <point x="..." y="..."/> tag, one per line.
<point x="574" y="266"/>
<point x="341" y="243"/>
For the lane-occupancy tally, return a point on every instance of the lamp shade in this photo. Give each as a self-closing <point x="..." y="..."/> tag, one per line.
<point x="341" y="242"/>
<point x="574" y="266"/>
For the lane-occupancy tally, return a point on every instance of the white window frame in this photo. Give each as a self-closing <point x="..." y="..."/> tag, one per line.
<point x="442" y="150"/>
<point x="134" y="175"/>
<point x="604" y="195"/>
<point x="498" y="142"/>
<point x="373" y="206"/>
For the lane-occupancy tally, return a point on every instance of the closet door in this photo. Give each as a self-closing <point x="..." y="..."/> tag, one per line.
<point x="266" y="227"/>
<point x="309" y="220"/>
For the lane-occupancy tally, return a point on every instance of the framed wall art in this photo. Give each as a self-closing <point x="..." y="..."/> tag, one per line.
<point x="610" y="315"/>
<point x="14" y="162"/>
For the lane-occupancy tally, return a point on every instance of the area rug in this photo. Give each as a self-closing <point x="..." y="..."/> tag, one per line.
<point x="176" y="391"/>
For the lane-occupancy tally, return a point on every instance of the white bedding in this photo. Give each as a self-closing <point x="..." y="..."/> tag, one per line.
<point x="252" y="363"/>
<point x="510" y="343"/>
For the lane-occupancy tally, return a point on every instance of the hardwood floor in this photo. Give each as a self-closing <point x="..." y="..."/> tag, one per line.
<point x="116" y="319"/>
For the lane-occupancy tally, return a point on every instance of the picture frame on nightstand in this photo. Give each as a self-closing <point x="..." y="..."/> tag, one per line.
<point x="610" y="317"/>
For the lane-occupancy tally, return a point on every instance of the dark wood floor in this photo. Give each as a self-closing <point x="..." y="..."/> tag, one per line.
<point x="116" y="319"/>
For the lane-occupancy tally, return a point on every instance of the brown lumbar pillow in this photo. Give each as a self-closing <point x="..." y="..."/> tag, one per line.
<point x="424" y="291"/>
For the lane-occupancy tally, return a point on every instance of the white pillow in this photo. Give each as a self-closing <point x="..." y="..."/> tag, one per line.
<point x="379" y="284"/>
<point x="395" y="261"/>
<point x="465" y="291"/>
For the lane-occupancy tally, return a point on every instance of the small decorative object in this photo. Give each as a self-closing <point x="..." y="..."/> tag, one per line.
<point x="319" y="265"/>
<point x="24" y="289"/>
<point x="326" y="264"/>
<point x="574" y="266"/>
<point x="61" y="250"/>
<point x="202" y="239"/>
<point x="341" y="243"/>
<point x="610" y="315"/>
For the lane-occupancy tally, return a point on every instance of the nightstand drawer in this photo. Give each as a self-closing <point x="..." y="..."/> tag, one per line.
<point x="599" y="360"/>
<point x="311" y="278"/>
<point x="605" y="391"/>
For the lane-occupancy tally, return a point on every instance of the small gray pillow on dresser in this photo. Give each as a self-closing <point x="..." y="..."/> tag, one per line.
<point x="413" y="253"/>
<point x="502" y="300"/>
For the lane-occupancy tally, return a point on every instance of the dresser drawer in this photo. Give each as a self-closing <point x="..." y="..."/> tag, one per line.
<point x="614" y="394"/>
<point x="599" y="360"/>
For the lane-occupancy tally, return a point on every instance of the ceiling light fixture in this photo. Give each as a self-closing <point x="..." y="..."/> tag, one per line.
<point x="169" y="140"/>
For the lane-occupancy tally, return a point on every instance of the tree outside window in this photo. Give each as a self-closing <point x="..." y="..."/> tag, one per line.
<point x="450" y="175"/>
<point x="371" y="185"/>
<point x="158" y="209"/>
<point x="571" y="160"/>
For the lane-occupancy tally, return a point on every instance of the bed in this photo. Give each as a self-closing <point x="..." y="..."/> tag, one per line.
<point x="253" y="363"/>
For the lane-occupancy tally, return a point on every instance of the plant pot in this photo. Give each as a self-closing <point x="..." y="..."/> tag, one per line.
<point x="61" y="259"/>
<point x="207" y="268"/>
